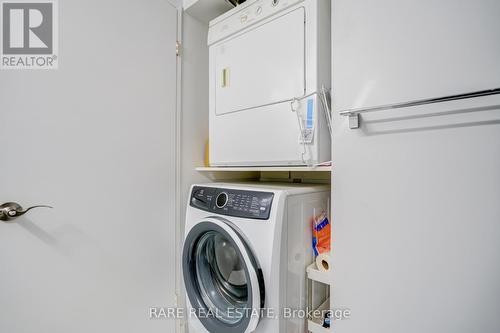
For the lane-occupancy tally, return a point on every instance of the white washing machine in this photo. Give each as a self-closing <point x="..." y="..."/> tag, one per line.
<point x="268" y="62"/>
<point x="245" y="254"/>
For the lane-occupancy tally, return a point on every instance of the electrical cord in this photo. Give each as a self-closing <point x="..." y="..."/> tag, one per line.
<point x="295" y="104"/>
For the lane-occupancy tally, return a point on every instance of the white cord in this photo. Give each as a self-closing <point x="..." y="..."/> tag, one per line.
<point x="294" y="105"/>
<point x="327" y="110"/>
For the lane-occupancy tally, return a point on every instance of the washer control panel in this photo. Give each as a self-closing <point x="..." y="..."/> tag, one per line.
<point x="238" y="203"/>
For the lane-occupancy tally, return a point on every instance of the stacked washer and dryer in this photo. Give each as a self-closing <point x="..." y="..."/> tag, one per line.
<point x="269" y="61"/>
<point x="247" y="246"/>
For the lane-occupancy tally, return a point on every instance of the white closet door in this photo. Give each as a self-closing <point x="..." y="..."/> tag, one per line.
<point x="416" y="190"/>
<point x="391" y="51"/>
<point x="96" y="140"/>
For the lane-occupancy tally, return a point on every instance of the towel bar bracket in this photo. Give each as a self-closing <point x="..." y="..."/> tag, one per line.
<point x="354" y="120"/>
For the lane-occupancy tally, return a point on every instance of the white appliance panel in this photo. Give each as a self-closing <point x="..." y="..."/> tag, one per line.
<point x="262" y="66"/>
<point x="267" y="135"/>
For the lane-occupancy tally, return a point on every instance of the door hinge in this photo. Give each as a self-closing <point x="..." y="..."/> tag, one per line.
<point x="177" y="48"/>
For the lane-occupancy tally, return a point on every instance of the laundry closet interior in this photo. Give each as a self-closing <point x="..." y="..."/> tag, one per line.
<point x="262" y="120"/>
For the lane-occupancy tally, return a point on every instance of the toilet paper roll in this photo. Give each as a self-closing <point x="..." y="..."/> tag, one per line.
<point x="324" y="262"/>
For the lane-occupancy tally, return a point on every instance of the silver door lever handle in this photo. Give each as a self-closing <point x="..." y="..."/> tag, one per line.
<point x="9" y="211"/>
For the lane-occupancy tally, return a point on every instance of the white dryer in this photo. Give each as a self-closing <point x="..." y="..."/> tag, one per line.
<point x="268" y="61"/>
<point x="245" y="254"/>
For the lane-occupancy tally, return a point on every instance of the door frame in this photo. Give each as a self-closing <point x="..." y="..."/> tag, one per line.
<point x="180" y="325"/>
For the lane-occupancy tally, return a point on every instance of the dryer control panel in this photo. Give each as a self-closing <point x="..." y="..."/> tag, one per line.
<point x="238" y="203"/>
<point x="245" y="15"/>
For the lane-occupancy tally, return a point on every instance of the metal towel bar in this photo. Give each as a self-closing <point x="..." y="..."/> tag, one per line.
<point x="353" y="114"/>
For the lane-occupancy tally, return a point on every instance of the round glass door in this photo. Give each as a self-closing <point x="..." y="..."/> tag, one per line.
<point x="221" y="277"/>
<point x="223" y="282"/>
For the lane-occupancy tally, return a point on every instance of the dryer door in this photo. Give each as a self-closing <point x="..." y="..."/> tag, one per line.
<point x="224" y="283"/>
<point x="262" y="66"/>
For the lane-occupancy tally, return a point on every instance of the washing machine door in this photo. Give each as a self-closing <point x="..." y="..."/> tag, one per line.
<point x="223" y="281"/>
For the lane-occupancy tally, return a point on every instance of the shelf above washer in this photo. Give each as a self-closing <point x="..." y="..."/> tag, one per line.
<point x="319" y="174"/>
<point x="266" y="169"/>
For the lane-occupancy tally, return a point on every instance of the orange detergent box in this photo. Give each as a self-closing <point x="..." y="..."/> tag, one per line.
<point x="321" y="234"/>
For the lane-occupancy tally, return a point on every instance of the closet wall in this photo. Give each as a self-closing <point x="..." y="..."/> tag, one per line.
<point x="193" y="123"/>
